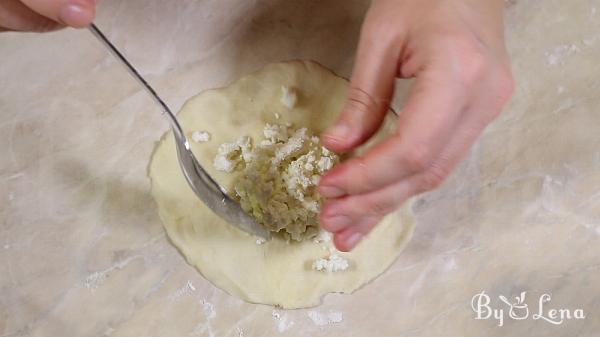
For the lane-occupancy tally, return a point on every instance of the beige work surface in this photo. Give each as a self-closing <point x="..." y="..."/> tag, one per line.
<point x="83" y="252"/>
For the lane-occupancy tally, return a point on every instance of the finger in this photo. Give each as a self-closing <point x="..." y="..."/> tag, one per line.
<point x="366" y="211"/>
<point x="371" y="86"/>
<point x="347" y="239"/>
<point x="14" y="15"/>
<point x="74" y="13"/>
<point x="342" y="213"/>
<point x="427" y="121"/>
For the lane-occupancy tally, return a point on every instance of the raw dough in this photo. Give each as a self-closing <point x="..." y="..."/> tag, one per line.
<point x="275" y="272"/>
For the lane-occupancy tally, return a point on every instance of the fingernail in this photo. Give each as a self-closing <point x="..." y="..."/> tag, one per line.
<point x="353" y="240"/>
<point x="339" y="131"/>
<point x="75" y="15"/>
<point x="337" y="222"/>
<point x="331" y="191"/>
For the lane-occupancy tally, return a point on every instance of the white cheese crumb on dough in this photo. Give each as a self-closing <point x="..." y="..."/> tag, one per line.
<point x="231" y="155"/>
<point x="323" y="236"/>
<point x="331" y="264"/>
<point x="200" y="136"/>
<point x="288" y="97"/>
<point x="260" y="241"/>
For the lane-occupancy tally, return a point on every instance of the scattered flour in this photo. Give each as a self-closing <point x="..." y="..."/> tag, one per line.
<point x="205" y="328"/>
<point x="186" y="289"/>
<point x="283" y="323"/>
<point x="557" y="55"/>
<point x="450" y="264"/>
<point x="332" y="317"/>
<point x="109" y="331"/>
<point x="589" y="41"/>
<point x="94" y="280"/>
<point x="209" y="309"/>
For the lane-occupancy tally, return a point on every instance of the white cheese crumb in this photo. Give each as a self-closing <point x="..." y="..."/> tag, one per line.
<point x="275" y="314"/>
<point x="200" y="136"/>
<point x="288" y="97"/>
<point x="222" y="163"/>
<point x="331" y="264"/>
<point x="323" y="236"/>
<point x="277" y="116"/>
<point x="260" y="241"/>
<point x="273" y="132"/>
<point x="324" y="164"/>
<point x="230" y="155"/>
<point x="293" y="145"/>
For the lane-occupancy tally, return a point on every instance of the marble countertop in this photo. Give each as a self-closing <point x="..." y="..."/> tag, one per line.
<point x="83" y="252"/>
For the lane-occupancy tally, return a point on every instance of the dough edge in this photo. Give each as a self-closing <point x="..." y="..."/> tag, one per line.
<point x="184" y="231"/>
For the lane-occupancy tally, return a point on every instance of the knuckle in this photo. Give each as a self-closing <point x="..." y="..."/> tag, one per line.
<point x="362" y="178"/>
<point x="432" y="179"/>
<point x="418" y="158"/>
<point x="473" y="68"/>
<point x="471" y="62"/>
<point x="382" y="25"/>
<point x="360" y="101"/>
<point x="379" y="206"/>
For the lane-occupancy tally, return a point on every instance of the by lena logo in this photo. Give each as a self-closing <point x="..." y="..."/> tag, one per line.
<point x="519" y="310"/>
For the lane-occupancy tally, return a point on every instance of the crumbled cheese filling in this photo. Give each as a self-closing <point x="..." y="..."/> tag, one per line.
<point x="200" y="136"/>
<point x="278" y="178"/>
<point x="323" y="236"/>
<point x="330" y="264"/>
<point x="231" y="155"/>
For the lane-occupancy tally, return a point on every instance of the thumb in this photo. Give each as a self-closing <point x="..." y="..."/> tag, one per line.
<point x="371" y="89"/>
<point x="74" y="13"/>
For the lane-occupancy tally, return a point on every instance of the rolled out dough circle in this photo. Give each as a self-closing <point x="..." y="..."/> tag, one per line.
<point x="276" y="272"/>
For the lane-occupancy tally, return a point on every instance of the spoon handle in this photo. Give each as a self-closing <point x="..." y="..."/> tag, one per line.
<point x="106" y="42"/>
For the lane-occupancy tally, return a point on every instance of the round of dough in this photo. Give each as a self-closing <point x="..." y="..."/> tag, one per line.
<point x="276" y="272"/>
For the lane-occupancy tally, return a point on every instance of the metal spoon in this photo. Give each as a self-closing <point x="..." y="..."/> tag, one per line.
<point x="213" y="195"/>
